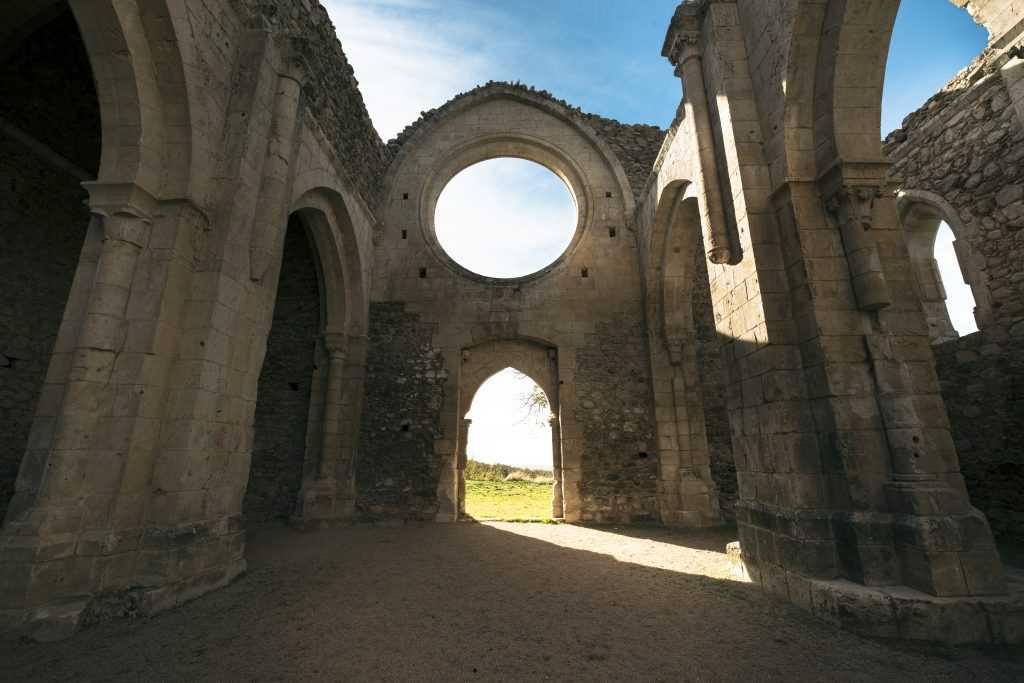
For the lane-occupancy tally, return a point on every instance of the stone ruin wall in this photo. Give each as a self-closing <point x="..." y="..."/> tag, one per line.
<point x="420" y="324"/>
<point x="989" y="202"/>
<point x="966" y="145"/>
<point x="332" y="94"/>
<point x="614" y="410"/>
<point x="49" y="95"/>
<point x="397" y="472"/>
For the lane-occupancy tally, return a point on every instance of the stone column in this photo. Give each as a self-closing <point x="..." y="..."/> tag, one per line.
<point x="460" y="465"/>
<point x="66" y="529"/>
<point x="334" y="346"/>
<point x="318" y="497"/>
<point x="698" y="504"/>
<point x="556" y="466"/>
<point x="272" y="202"/>
<point x="852" y="206"/>
<point x="943" y="546"/>
<point x="690" y="69"/>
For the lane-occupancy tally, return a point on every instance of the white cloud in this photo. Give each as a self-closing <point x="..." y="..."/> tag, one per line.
<point x="505" y="217"/>
<point x="410" y="56"/>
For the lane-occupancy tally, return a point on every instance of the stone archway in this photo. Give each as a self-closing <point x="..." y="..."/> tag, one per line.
<point x="537" y="361"/>
<point x="310" y="384"/>
<point x="683" y="365"/>
<point x="284" y="426"/>
<point x="921" y="214"/>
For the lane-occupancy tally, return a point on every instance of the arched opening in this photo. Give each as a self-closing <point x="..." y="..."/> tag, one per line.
<point x="696" y="464"/>
<point x="50" y="141"/>
<point x="945" y="272"/>
<point x="281" y="433"/>
<point x="910" y="81"/>
<point x="505" y="218"/>
<point x="509" y="471"/>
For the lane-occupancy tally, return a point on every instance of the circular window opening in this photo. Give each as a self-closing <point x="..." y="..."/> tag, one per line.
<point x="505" y="218"/>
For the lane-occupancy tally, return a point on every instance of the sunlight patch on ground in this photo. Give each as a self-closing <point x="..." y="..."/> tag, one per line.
<point x="671" y="550"/>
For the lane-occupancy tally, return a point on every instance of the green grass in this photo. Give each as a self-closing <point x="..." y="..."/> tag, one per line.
<point x="508" y="500"/>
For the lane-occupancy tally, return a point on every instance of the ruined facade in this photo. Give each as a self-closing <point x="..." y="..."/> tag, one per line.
<point x="253" y="318"/>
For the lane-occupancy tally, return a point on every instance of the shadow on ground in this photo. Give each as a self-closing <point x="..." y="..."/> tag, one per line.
<point x="489" y="601"/>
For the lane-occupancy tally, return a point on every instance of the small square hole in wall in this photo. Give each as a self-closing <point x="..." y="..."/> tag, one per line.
<point x="608" y="195"/>
<point x="405" y="195"/>
<point x="405" y="234"/>
<point x="611" y="232"/>
<point x="585" y="272"/>
<point x="405" y="428"/>
<point x="423" y="272"/>
<point x="642" y="455"/>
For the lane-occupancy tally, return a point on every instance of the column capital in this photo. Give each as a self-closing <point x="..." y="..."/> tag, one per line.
<point x="335" y="343"/>
<point x="676" y="350"/>
<point x="120" y="199"/>
<point x="294" y="65"/>
<point x="682" y="40"/>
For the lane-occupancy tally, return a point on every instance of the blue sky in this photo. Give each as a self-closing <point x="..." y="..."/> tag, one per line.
<point x="605" y="57"/>
<point x="601" y="55"/>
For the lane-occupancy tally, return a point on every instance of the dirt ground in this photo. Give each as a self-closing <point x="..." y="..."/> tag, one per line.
<point x="491" y="601"/>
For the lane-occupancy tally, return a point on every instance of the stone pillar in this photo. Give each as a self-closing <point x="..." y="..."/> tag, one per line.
<point x="942" y="546"/>
<point x="690" y="69"/>
<point x="846" y="468"/>
<point x="352" y="391"/>
<point x="460" y="465"/>
<point x="557" y="508"/>
<point x="74" y="525"/>
<point x="698" y="502"/>
<point x="272" y="201"/>
<point x="318" y="498"/>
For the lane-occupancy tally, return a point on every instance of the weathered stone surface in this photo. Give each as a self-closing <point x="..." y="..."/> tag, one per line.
<point x="635" y="145"/>
<point x="984" y="394"/>
<point x="396" y="475"/>
<point x="620" y="467"/>
<point x="283" y="398"/>
<point x="796" y="391"/>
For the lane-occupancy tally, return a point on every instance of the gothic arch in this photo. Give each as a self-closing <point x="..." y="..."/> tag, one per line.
<point x="330" y="226"/>
<point x="686" y="493"/>
<point x="833" y="80"/>
<point x="482" y="361"/>
<point x="128" y="87"/>
<point x="921" y="213"/>
<point x="460" y="105"/>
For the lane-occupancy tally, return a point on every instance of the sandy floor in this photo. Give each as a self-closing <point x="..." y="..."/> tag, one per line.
<point x="492" y="601"/>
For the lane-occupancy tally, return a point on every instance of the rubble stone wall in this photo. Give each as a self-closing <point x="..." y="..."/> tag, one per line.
<point x="965" y="148"/>
<point x="983" y="387"/>
<point x="396" y="471"/>
<point x="283" y="396"/>
<point x="614" y="410"/>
